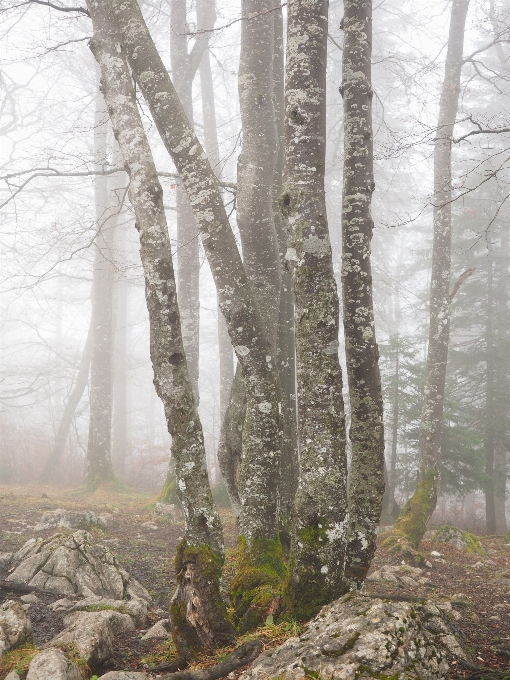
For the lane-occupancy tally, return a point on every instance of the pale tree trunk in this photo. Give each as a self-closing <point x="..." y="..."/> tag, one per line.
<point x="319" y="528"/>
<point x="490" y="421"/>
<point x="98" y="463"/>
<point x="50" y="471"/>
<point x="502" y="405"/>
<point x="197" y="610"/>
<point x="258" y="528"/>
<point x="226" y="354"/>
<point x="366" y="487"/>
<point x="184" y="67"/>
<point x="120" y="386"/>
<point x="285" y="346"/>
<point x="411" y="524"/>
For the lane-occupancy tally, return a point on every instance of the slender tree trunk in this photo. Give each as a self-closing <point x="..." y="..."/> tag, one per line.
<point x="98" y="465"/>
<point x="226" y="354"/>
<point x="184" y="68"/>
<point x="412" y="520"/>
<point x="366" y="486"/>
<point x="73" y="400"/>
<point x="120" y="386"/>
<point x="389" y="504"/>
<point x="319" y="529"/>
<point x="197" y="610"/>
<point x="490" y="425"/>
<point x="261" y="433"/>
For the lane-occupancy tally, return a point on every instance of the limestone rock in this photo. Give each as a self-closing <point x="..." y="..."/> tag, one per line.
<point x="363" y="637"/>
<point x="61" y="605"/>
<point x="52" y="664"/>
<point x="159" y="631"/>
<point x="93" y="633"/>
<point x="15" y="626"/>
<point x="136" y="608"/>
<point x="168" y="510"/>
<point x="12" y="676"/>
<point x="410" y="577"/>
<point x="30" y="598"/>
<point x="461" y="540"/>
<point x="74" y="565"/>
<point x="70" y="519"/>
<point x="5" y="560"/>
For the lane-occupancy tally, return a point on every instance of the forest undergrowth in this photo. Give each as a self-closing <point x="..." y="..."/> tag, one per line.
<point x="477" y="586"/>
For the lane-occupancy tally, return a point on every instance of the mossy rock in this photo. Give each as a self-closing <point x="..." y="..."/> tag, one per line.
<point x="461" y="540"/>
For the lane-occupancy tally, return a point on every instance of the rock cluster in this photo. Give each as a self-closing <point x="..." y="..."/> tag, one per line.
<point x="74" y="565"/>
<point x="461" y="540"/>
<point x="410" y="577"/>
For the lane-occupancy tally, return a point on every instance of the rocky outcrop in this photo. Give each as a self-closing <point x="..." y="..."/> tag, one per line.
<point x="93" y="634"/>
<point x="461" y="540"/>
<point x="52" y="664"/>
<point x="72" y="519"/>
<point x="363" y="637"/>
<point x="74" y="565"/>
<point x="15" y="626"/>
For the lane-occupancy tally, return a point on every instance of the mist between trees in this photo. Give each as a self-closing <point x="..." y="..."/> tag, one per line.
<point x="331" y="187"/>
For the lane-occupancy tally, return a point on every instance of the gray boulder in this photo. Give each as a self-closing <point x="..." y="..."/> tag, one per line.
<point x="71" y="519"/>
<point x="52" y="664"/>
<point x="15" y="626"/>
<point x="461" y="540"/>
<point x="137" y="609"/>
<point x="159" y="631"/>
<point x="5" y="560"/>
<point x="74" y="565"/>
<point x="362" y="637"/>
<point x="93" y="634"/>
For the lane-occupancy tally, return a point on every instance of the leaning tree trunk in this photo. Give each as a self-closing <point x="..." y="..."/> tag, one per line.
<point x="98" y="462"/>
<point x="184" y="67"/>
<point x="197" y="611"/>
<point x="366" y="486"/>
<point x="319" y="529"/>
<point x="411" y="523"/>
<point x="72" y="402"/>
<point x="261" y="432"/>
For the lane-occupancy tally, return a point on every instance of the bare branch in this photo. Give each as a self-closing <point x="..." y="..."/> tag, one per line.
<point x="460" y="281"/>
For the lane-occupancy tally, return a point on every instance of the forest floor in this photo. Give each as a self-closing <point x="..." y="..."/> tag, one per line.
<point x="478" y="586"/>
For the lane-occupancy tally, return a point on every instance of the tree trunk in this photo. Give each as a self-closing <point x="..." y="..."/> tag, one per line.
<point x="98" y="464"/>
<point x="197" y="611"/>
<point x="226" y="354"/>
<point x="412" y="520"/>
<point x="69" y="410"/>
<point x="319" y="529"/>
<point x="490" y="425"/>
<point x="366" y="486"/>
<point x="262" y="426"/>
<point x="285" y="345"/>
<point x="120" y="386"/>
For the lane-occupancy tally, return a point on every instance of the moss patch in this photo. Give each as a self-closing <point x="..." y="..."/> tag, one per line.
<point x="18" y="660"/>
<point x="462" y="540"/>
<point x="256" y="588"/>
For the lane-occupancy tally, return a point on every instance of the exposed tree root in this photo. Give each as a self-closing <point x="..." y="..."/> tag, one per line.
<point x="242" y="656"/>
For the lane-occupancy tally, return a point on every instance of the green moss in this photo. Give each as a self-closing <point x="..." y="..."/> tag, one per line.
<point x="104" y="607"/>
<point x="17" y="660"/>
<point x="411" y="524"/>
<point x="257" y="584"/>
<point x="365" y="670"/>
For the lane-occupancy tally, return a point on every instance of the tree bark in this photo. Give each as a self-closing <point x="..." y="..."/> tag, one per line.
<point x="120" y="384"/>
<point x="320" y="519"/>
<point x="73" y="400"/>
<point x="366" y="486"/>
<point x="98" y="464"/>
<point x="490" y="424"/>
<point x="411" y="524"/>
<point x="198" y="614"/>
<point x="261" y="432"/>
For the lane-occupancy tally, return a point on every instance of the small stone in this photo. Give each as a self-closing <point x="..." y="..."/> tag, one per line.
<point x="495" y="618"/>
<point x="150" y="525"/>
<point x="159" y="631"/>
<point x="428" y="564"/>
<point x="30" y="598"/>
<point x="477" y="565"/>
<point x="61" y="605"/>
<point x="434" y="553"/>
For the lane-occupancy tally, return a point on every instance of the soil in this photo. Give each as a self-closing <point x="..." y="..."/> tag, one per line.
<point x="477" y="586"/>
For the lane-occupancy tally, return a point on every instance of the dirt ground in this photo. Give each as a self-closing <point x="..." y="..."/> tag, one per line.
<point x="478" y="587"/>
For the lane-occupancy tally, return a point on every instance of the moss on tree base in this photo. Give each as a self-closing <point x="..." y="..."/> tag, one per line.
<point x="198" y="614"/>
<point x="256" y="589"/>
